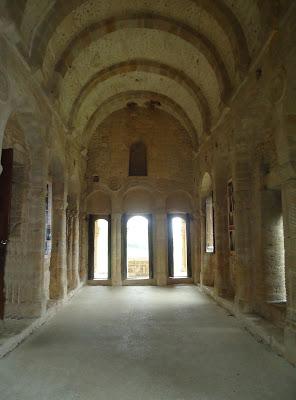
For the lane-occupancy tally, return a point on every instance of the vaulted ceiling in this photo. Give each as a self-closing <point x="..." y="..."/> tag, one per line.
<point x="186" y="56"/>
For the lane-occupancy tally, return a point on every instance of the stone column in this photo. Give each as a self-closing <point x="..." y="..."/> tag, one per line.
<point x="196" y="227"/>
<point x="195" y="263"/>
<point x="58" y="261"/>
<point x="161" y="248"/>
<point x="116" y="249"/>
<point x="33" y="292"/>
<point x="222" y="279"/>
<point x="75" y="261"/>
<point x="69" y="233"/>
<point x="243" y="239"/>
<point x="272" y="248"/>
<point x="289" y="214"/>
<point x="83" y="247"/>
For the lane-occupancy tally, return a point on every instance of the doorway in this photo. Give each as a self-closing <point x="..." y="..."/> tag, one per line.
<point x="99" y="248"/>
<point x="179" y="246"/>
<point x="5" y="205"/>
<point x="137" y="247"/>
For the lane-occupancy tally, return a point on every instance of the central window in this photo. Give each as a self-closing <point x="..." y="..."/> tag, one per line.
<point x="179" y="246"/>
<point x="137" y="259"/>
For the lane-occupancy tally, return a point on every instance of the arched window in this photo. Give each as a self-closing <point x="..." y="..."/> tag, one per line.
<point x="138" y="160"/>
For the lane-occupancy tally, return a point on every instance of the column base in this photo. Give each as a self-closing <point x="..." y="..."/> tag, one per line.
<point x="161" y="280"/>
<point x="242" y="305"/>
<point x="290" y="342"/>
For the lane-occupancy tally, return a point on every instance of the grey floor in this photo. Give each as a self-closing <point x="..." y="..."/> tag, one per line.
<point x="144" y="343"/>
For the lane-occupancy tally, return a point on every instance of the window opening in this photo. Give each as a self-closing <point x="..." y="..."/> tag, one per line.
<point x="137" y="248"/>
<point x="101" y="249"/>
<point x="138" y="160"/>
<point x="179" y="246"/>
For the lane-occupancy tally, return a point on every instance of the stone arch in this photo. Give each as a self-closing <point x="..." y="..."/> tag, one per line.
<point x="221" y="14"/>
<point x="148" y="66"/>
<point x="98" y="202"/>
<point x="200" y="42"/>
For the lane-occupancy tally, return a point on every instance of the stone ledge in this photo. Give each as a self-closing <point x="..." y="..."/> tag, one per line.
<point x="13" y="331"/>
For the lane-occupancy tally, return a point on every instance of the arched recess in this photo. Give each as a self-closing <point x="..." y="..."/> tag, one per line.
<point x="208" y="258"/>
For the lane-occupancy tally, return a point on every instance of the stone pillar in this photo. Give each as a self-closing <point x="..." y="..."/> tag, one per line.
<point x="198" y="232"/>
<point x="58" y="261"/>
<point x="116" y="275"/>
<point x="83" y="247"/>
<point x="69" y="233"/>
<point x="243" y="238"/>
<point x="289" y="215"/>
<point x="75" y="248"/>
<point x="161" y="248"/>
<point x="33" y="292"/>
<point x="222" y="279"/>
<point x="195" y="256"/>
<point x="272" y="247"/>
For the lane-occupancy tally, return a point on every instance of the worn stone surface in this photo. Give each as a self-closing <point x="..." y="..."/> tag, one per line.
<point x="144" y="343"/>
<point x="208" y="86"/>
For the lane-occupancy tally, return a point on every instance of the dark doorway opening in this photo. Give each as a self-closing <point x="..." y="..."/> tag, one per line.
<point x="5" y="206"/>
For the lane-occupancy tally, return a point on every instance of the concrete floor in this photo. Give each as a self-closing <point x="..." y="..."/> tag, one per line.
<point x="144" y="343"/>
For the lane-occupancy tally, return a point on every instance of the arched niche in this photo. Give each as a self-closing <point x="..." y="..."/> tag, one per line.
<point x="98" y="203"/>
<point x="179" y="202"/>
<point x="138" y="200"/>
